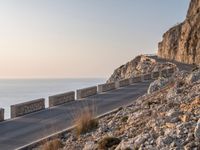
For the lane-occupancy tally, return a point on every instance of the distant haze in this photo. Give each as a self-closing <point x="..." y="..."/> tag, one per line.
<point x="80" y="38"/>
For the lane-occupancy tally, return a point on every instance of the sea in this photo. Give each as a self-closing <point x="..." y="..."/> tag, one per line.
<point x="14" y="91"/>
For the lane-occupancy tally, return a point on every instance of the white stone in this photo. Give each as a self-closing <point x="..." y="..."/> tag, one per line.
<point x="194" y="76"/>
<point x="124" y="145"/>
<point x="197" y="130"/>
<point x="157" y="84"/>
<point x="140" y="139"/>
<point x="89" y="146"/>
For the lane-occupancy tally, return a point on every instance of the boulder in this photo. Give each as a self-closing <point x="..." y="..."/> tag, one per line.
<point x="125" y="145"/>
<point x="157" y="85"/>
<point x="90" y="146"/>
<point x="194" y="76"/>
<point x="140" y="139"/>
<point x="197" y="131"/>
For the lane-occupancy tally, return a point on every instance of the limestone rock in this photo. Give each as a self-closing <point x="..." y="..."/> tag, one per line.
<point x="138" y="66"/>
<point x="124" y="145"/>
<point x="90" y="146"/>
<point x="194" y="76"/>
<point x="164" y="141"/>
<point x="141" y="139"/>
<point x="157" y="85"/>
<point x="182" y="42"/>
<point x="197" y="131"/>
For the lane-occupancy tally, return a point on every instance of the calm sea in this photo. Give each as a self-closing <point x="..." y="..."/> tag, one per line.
<point x="13" y="91"/>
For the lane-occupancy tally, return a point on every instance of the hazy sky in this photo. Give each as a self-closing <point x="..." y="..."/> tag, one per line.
<point x="80" y="38"/>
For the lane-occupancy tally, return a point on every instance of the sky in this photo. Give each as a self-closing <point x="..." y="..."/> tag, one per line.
<point x="80" y="38"/>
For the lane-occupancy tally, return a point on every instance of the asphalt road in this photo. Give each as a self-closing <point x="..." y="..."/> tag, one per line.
<point x="181" y="66"/>
<point x="24" y="130"/>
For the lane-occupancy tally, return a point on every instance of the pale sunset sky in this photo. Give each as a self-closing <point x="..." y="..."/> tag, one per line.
<point x="80" y="38"/>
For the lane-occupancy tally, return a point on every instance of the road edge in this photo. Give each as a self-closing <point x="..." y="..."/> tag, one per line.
<point x="60" y="133"/>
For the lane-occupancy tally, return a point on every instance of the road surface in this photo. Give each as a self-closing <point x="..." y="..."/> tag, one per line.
<point x="24" y="130"/>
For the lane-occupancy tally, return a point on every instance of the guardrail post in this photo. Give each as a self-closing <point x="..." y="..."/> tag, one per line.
<point x="117" y="84"/>
<point x="106" y="87"/>
<point x="131" y="81"/>
<point x="27" y="107"/>
<point x="147" y="76"/>
<point x="135" y="79"/>
<point x="61" y="98"/>
<point x="2" y="114"/>
<point x="142" y="78"/>
<point x="86" y="92"/>
<point x="124" y="82"/>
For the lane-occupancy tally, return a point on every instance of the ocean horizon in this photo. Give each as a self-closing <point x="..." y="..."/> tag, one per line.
<point x="14" y="91"/>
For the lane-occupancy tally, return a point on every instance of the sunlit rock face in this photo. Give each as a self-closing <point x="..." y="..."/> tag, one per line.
<point x="139" y="65"/>
<point x="182" y="42"/>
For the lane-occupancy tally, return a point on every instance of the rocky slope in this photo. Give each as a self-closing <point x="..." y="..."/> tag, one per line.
<point x="182" y="42"/>
<point x="139" y="65"/>
<point x="166" y="118"/>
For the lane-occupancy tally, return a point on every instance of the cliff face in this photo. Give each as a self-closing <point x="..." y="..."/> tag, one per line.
<point x="182" y="42"/>
<point x="138" y="66"/>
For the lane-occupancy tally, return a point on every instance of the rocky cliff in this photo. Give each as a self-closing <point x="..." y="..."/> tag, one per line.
<point x="182" y="42"/>
<point x="138" y="66"/>
<point x="164" y="119"/>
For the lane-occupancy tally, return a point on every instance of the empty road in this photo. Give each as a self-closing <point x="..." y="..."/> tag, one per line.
<point x="24" y="130"/>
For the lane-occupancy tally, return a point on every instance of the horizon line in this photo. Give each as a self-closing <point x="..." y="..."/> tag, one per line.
<point x="24" y="78"/>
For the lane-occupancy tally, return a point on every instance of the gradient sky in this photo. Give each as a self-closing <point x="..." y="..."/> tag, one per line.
<point x="80" y="38"/>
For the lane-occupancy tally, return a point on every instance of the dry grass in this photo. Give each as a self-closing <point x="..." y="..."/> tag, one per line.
<point x="53" y="145"/>
<point x="108" y="142"/>
<point x="124" y="119"/>
<point x="85" y="121"/>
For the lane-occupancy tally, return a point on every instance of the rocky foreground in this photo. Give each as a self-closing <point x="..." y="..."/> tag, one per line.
<point x="168" y="117"/>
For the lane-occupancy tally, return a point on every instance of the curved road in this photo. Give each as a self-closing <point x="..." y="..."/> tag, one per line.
<point x="24" y="130"/>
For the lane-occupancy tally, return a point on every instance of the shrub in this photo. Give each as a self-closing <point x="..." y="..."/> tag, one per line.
<point x="53" y="145"/>
<point x="85" y="121"/>
<point x="124" y="119"/>
<point x="108" y="142"/>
